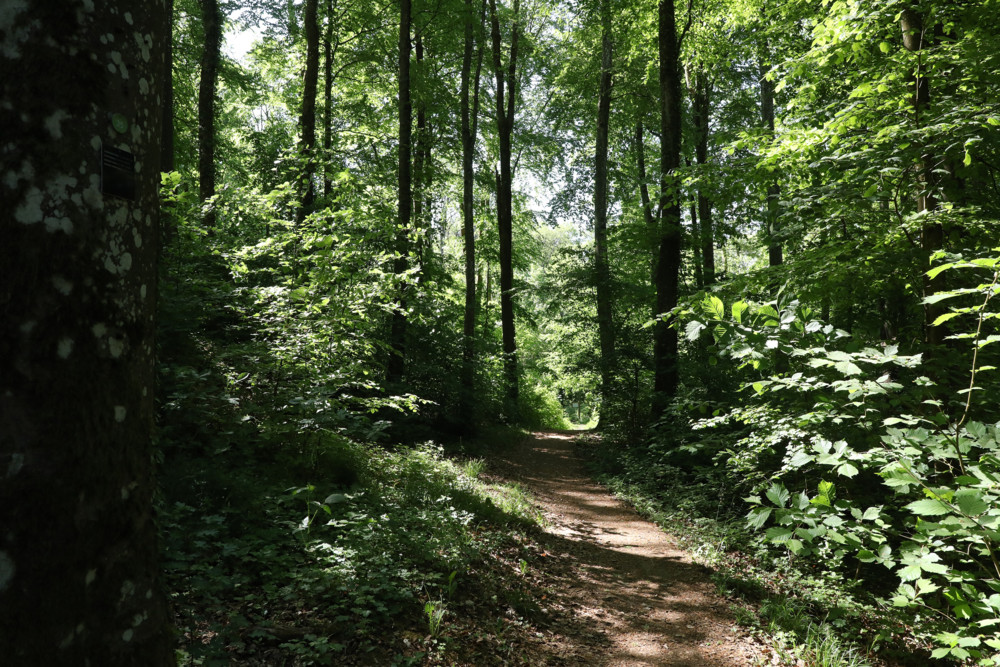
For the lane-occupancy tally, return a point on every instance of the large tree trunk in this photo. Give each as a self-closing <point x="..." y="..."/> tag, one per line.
<point x="774" y="250"/>
<point x="669" y="254"/>
<point x="701" y="106"/>
<point x="505" y="108"/>
<point x="469" y="128"/>
<point x="81" y="131"/>
<point x="605" y="325"/>
<point x="211" y="18"/>
<point x="931" y="231"/>
<point x="307" y="120"/>
<point x="397" y="334"/>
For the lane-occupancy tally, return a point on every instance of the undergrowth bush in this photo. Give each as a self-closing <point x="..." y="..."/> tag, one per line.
<point x="860" y="462"/>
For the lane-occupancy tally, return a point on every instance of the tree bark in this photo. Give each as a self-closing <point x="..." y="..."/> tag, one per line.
<point x="701" y="112"/>
<point x="420" y="163"/>
<point x="397" y="335"/>
<point x="668" y="263"/>
<point x="79" y="576"/>
<point x="211" y="17"/>
<point x="772" y="222"/>
<point x="505" y="109"/>
<point x="931" y="231"/>
<point x="469" y="126"/>
<point x="307" y="119"/>
<point x="647" y="206"/>
<point x="328" y="55"/>
<point x="605" y="325"/>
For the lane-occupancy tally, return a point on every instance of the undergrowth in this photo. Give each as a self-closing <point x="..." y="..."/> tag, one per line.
<point x="294" y="530"/>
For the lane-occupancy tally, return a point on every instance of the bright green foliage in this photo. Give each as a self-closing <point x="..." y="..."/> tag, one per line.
<point x="861" y="416"/>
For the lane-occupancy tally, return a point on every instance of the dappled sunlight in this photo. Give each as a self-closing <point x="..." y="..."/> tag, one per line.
<point x="652" y="603"/>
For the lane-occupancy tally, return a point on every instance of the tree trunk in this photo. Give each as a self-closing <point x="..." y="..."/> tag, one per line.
<point x="669" y="254"/>
<point x="931" y="231"/>
<point x="79" y="575"/>
<point x="307" y="120"/>
<point x="397" y="334"/>
<point x="647" y="205"/>
<point x="469" y="127"/>
<point x="211" y="18"/>
<point x="505" y="108"/>
<point x="167" y="131"/>
<point x="772" y="222"/>
<point x="699" y="276"/>
<point x="701" y="112"/>
<point x="328" y="55"/>
<point x="605" y="325"/>
<point x="420" y="163"/>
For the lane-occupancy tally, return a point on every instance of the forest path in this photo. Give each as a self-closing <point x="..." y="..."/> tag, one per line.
<point x="621" y="591"/>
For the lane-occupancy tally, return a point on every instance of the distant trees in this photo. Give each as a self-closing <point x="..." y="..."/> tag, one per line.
<point x="79" y="576"/>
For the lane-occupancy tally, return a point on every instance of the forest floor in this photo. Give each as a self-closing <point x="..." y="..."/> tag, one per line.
<point x="619" y="591"/>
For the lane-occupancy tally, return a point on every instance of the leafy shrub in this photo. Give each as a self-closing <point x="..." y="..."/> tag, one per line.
<point x="873" y="470"/>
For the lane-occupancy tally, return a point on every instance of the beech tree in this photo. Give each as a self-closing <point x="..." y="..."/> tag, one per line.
<point x="79" y="581"/>
<point x="211" y="18"/>
<point x="397" y="335"/>
<point x="605" y="325"/>
<point x="506" y="105"/>
<point x="668" y="260"/>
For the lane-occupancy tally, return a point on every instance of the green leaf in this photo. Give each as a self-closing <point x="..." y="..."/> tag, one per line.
<point x="928" y="507"/>
<point x="778" y="534"/>
<point x="739" y="307"/>
<point x="884" y="47"/>
<point x="693" y="330"/>
<point x="715" y="307"/>
<point x="847" y="368"/>
<point x="847" y="470"/>
<point x="778" y="494"/>
<point x="757" y="517"/>
<point x="970" y="501"/>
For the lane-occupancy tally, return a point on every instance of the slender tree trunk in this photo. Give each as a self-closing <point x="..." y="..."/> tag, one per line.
<point x="931" y="231"/>
<point x="505" y="110"/>
<point x="774" y="250"/>
<point x="668" y="264"/>
<point x="699" y="275"/>
<point x="307" y="120"/>
<point x="168" y="222"/>
<point x="328" y="54"/>
<point x="469" y="127"/>
<point x="167" y="132"/>
<point x="647" y="205"/>
<point x="701" y="106"/>
<point x="605" y="325"/>
<point x="79" y="573"/>
<point x="211" y="18"/>
<point x="420" y="162"/>
<point x="397" y="335"/>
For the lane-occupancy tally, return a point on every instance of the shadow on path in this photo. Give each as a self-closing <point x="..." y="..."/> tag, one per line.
<point x="624" y="594"/>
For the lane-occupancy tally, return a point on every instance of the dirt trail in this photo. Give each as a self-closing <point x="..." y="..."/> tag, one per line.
<point x="622" y="591"/>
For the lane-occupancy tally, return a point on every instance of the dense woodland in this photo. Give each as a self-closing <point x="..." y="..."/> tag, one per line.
<point x="754" y="245"/>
